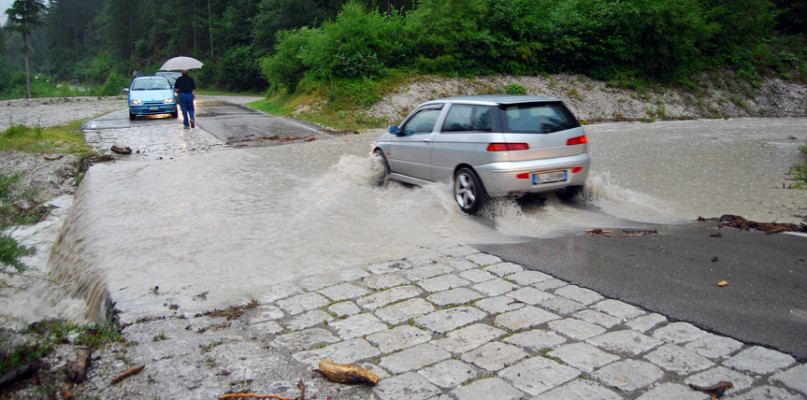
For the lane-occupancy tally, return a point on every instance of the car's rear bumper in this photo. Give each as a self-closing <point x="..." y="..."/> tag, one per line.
<point x="502" y="179"/>
<point x="153" y="109"/>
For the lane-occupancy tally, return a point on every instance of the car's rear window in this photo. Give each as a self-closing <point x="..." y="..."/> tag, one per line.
<point x="462" y="118"/>
<point x="538" y="118"/>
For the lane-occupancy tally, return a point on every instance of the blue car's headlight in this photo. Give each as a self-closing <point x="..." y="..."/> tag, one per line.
<point x="137" y="101"/>
<point x="169" y="101"/>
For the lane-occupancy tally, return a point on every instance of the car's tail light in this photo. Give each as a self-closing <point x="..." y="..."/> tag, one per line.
<point x="508" y="146"/>
<point x="576" y="169"/>
<point x="577" y="140"/>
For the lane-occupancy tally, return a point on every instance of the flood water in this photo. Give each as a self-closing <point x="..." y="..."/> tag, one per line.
<point x="223" y="226"/>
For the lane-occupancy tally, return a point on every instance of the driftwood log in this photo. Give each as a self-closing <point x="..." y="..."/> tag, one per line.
<point x="18" y="374"/>
<point x="346" y="373"/>
<point x="77" y="371"/>
<point x="715" y="390"/>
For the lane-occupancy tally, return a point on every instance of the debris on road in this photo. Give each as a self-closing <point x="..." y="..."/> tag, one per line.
<point x="346" y="373"/>
<point x="715" y="390"/>
<point x="736" y="221"/>
<point x="722" y="283"/>
<point x="266" y="396"/>
<point x="121" y="149"/>
<point x="128" y="373"/>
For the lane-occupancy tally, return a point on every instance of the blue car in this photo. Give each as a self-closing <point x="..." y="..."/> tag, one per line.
<point x="150" y="95"/>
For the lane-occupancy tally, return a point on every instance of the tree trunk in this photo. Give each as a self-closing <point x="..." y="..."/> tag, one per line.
<point x="210" y="28"/>
<point x="27" y="73"/>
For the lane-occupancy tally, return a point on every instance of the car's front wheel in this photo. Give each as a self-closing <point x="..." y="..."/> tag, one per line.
<point x="131" y="116"/>
<point x="468" y="191"/>
<point x="175" y="114"/>
<point x="380" y="168"/>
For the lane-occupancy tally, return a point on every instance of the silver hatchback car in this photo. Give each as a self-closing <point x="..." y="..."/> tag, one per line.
<point x="489" y="146"/>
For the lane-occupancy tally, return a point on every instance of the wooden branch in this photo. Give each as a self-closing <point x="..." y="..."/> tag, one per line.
<point x="266" y="396"/>
<point x="77" y="371"/>
<point x="346" y="373"/>
<point x="127" y="374"/>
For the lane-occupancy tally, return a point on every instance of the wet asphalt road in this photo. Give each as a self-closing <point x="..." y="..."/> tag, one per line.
<point x="675" y="272"/>
<point x="229" y="122"/>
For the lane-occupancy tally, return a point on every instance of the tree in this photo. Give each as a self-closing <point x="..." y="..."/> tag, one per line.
<point x="22" y="16"/>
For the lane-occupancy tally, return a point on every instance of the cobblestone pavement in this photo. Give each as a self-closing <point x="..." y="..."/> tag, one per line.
<point x="461" y="324"/>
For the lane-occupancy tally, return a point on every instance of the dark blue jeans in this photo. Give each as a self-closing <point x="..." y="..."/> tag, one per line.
<point x="186" y="103"/>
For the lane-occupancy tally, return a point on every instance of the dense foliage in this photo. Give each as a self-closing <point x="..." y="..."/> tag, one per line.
<point x="289" y="44"/>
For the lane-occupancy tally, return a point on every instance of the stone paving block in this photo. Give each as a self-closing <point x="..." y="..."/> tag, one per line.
<point x="794" y="378"/>
<point x="549" y="284"/>
<point x="450" y="374"/>
<point x="767" y="393"/>
<point x="679" y="360"/>
<point x="527" y="277"/>
<point x="358" y="325"/>
<point x="385" y="281"/>
<point x="389" y="296"/>
<point x="457" y="251"/>
<point x="316" y="282"/>
<point x="267" y="313"/>
<point x="596" y="317"/>
<point x="583" y="356"/>
<point x="477" y="275"/>
<point x="468" y="338"/>
<point x="352" y="274"/>
<point x="530" y="295"/>
<point x="344" y="309"/>
<point x="740" y="381"/>
<point x="460" y="264"/>
<point x="494" y="356"/>
<point x="347" y="352"/>
<point x="625" y="342"/>
<point x="523" y="318"/>
<point x="618" y="309"/>
<point x="414" y="358"/>
<point x="494" y="287"/>
<point x="443" y="321"/>
<point x="441" y="283"/>
<point x="267" y="327"/>
<point x="454" y="297"/>
<point x="576" y="329"/>
<point x="536" y="340"/>
<point x="503" y="269"/>
<point x="561" y="305"/>
<point x="483" y="259"/>
<point x="714" y="346"/>
<point x="304" y="302"/>
<point x="304" y="340"/>
<point x="404" y="311"/>
<point x="628" y="375"/>
<point x="490" y="388"/>
<point x="678" y="332"/>
<point x="345" y="291"/>
<point x="760" y="360"/>
<point x="279" y="291"/>
<point x="578" y="294"/>
<point x="499" y="304"/>
<point x="409" y="386"/>
<point x="579" y="389"/>
<point x="389" y="267"/>
<point x="427" y="271"/>
<point x="402" y="337"/>
<point x="647" y="322"/>
<point x="537" y="375"/>
<point x="307" y="320"/>
<point x="673" y="391"/>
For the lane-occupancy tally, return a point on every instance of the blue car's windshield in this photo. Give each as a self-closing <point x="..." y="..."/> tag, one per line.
<point x="156" y="83"/>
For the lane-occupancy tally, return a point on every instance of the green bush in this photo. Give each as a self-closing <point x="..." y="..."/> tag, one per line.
<point x="114" y="85"/>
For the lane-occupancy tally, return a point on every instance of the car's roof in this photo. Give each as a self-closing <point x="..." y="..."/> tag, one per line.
<point x="493" y="99"/>
<point x="139" y="78"/>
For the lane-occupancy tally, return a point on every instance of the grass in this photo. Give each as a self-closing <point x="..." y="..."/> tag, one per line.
<point x="800" y="170"/>
<point x="67" y="138"/>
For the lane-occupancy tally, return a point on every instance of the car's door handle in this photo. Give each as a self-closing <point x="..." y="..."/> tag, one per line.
<point x="427" y="140"/>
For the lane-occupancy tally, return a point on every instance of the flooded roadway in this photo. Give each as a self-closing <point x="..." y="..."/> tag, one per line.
<point x="202" y="225"/>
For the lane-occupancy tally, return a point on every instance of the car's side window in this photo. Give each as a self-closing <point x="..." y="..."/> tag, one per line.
<point x="422" y="122"/>
<point x="467" y="118"/>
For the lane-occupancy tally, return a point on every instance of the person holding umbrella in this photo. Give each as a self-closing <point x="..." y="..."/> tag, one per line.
<point x="185" y="85"/>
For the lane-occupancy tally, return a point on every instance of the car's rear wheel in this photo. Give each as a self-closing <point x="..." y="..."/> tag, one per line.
<point x="570" y="193"/>
<point x="468" y="191"/>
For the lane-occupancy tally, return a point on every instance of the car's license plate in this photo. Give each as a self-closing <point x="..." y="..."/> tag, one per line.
<point x="548" y="177"/>
<point x="154" y="108"/>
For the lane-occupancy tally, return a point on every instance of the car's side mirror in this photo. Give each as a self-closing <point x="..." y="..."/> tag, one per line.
<point x="126" y="90"/>
<point x="394" y="129"/>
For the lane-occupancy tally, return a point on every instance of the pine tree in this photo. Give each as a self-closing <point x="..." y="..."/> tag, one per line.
<point x="22" y="16"/>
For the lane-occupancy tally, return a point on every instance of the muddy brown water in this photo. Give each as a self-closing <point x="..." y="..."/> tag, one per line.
<point x="216" y="228"/>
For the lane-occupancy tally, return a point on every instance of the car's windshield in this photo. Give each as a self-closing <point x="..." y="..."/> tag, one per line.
<point x="539" y="118"/>
<point x="151" y="84"/>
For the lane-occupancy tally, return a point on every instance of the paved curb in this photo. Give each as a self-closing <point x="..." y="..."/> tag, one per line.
<point x="462" y="324"/>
